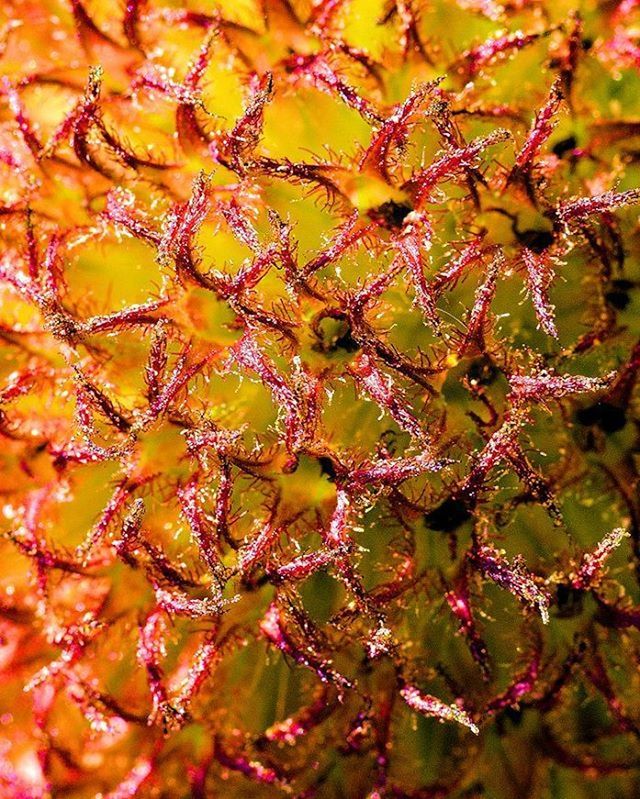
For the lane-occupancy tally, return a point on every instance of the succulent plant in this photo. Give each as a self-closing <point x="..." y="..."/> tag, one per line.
<point x="320" y="340"/>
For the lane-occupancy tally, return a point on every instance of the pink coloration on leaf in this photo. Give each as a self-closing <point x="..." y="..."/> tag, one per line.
<point x="540" y="276"/>
<point x="116" y="503"/>
<point x="393" y="471"/>
<point x="155" y="368"/>
<point x="176" y="382"/>
<point x="592" y="564"/>
<point x="208" y="544"/>
<point x="576" y="210"/>
<point x="428" y="705"/>
<point x="200" y="669"/>
<point x="481" y="304"/>
<point x="449" y="165"/>
<point x="538" y="487"/>
<point x="18" y="110"/>
<point x="134" y="315"/>
<point x="181" y="225"/>
<point x="488" y="8"/>
<point x="372" y="290"/>
<point x="513" y="576"/>
<point x="458" y="600"/>
<point x="522" y="685"/>
<point x="73" y="640"/>
<point x="135" y="779"/>
<point x="21" y="786"/>
<point x="305" y="565"/>
<point x="253" y="769"/>
<point x="415" y="236"/>
<point x="159" y="79"/>
<point x="239" y="220"/>
<point x="336" y="537"/>
<point x="179" y="604"/>
<point x="253" y="551"/>
<point x="447" y="278"/>
<point x="273" y="630"/>
<point x="151" y="652"/>
<point x="392" y="136"/>
<point x="494" y="50"/>
<point x="539" y="133"/>
<point x="246" y="133"/>
<point x="121" y="211"/>
<point x="317" y="71"/>
<point x="20" y="383"/>
<point x="294" y="727"/>
<point x="621" y="50"/>
<point x="387" y="395"/>
<point x="249" y="355"/>
<point x="347" y="236"/>
<point x="199" y="64"/>
<point x="545" y="384"/>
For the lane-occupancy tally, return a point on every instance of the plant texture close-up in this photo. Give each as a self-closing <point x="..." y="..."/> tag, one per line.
<point x="319" y="347"/>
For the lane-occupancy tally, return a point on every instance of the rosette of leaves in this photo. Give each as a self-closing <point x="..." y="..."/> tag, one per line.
<point x="319" y="349"/>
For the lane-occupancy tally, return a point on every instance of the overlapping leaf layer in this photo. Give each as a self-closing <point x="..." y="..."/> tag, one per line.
<point x="319" y="348"/>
